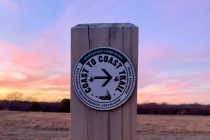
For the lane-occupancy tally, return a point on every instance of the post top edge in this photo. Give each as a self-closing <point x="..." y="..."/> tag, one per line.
<point x="104" y="25"/>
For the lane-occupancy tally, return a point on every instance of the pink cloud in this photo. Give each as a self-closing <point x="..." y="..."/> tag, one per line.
<point x="16" y="80"/>
<point x="32" y="69"/>
<point x="9" y="5"/>
<point x="166" y="83"/>
<point x="204" y="76"/>
<point x="18" y="56"/>
<point x="180" y="98"/>
<point x="60" y="83"/>
<point x="186" y="88"/>
<point x="158" y="63"/>
<point x="151" y="52"/>
<point x="179" y="85"/>
<point x="150" y="55"/>
<point x="40" y="56"/>
<point x="43" y="65"/>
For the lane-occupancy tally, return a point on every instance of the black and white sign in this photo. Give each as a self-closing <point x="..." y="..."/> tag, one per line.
<point x="104" y="78"/>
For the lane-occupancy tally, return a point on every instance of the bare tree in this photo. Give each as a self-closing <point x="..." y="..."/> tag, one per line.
<point x="14" y="96"/>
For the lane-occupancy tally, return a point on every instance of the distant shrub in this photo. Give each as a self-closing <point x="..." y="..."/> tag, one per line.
<point x="19" y="106"/>
<point x="50" y="107"/>
<point x="35" y="107"/>
<point x="65" y="105"/>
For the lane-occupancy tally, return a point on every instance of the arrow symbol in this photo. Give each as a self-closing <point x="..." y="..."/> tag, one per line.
<point x="108" y="77"/>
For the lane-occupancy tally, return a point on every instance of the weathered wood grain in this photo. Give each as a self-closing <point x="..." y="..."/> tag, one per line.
<point x="117" y="124"/>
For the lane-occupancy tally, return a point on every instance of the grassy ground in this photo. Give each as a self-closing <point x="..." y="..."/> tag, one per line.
<point x="55" y="126"/>
<point x="34" y="126"/>
<point x="152" y="127"/>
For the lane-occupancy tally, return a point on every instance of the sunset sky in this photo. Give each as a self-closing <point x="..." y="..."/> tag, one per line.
<point x="174" y="46"/>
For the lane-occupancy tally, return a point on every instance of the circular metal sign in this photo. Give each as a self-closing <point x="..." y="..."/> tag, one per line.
<point x="104" y="78"/>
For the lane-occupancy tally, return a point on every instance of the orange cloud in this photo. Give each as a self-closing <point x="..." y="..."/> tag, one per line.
<point x="43" y="66"/>
<point x="33" y="70"/>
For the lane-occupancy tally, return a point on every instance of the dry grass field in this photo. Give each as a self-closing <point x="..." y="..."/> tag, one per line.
<point x="153" y="127"/>
<point x="34" y="126"/>
<point x="55" y="126"/>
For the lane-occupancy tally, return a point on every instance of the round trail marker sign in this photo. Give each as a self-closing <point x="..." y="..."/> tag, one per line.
<point x="104" y="78"/>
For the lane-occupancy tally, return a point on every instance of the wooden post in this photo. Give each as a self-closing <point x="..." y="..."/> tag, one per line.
<point x="117" y="124"/>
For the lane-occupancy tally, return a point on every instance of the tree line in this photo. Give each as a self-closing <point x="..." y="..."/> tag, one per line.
<point x="167" y="109"/>
<point x="146" y="108"/>
<point x="16" y="105"/>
